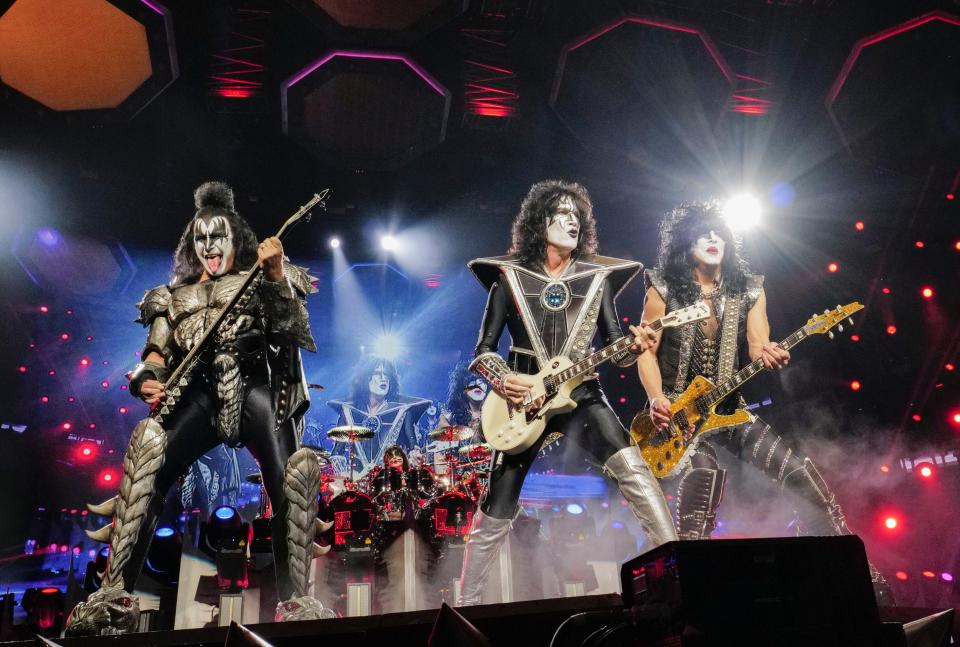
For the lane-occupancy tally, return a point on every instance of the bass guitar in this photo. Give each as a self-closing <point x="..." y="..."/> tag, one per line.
<point x="513" y="428"/>
<point x="693" y="413"/>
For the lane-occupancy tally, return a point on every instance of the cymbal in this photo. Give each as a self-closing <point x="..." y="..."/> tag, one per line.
<point x="477" y="449"/>
<point x="255" y="478"/>
<point x="349" y="433"/>
<point x="321" y="453"/>
<point x="453" y="433"/>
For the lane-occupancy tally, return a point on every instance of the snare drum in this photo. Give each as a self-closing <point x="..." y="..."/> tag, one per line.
<point x="353" y="515"/>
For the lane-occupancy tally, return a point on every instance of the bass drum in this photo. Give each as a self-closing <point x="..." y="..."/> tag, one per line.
<point x="353" y="515"/>
<point x="447" y="518"/>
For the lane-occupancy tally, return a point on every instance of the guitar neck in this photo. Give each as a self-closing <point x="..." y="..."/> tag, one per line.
<point x="735" y="381"/>
<point x="587" y="364"/>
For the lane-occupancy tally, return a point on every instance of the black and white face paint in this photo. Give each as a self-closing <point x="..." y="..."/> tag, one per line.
<point x="214" y="244"/>
<point x="563" y="226"/>
<point x="708" y="248"/>
<point x="476" y="390"/>
<point x="379" y="382"/>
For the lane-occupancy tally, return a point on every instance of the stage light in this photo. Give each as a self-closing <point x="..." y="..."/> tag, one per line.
<point x="885" y="468"/>
<point x="891" y="330"/>
<point x="950" y="196"/>
<point x="51" y="372"/>
<point x="919" y="244"/>
<point x="44" y="399"/>
<point x="929" y="574"/>
<point x="64" y="336"/>
<point x="927" y="292"/>
<point x="854" y="338"/>
<point x="164" y="531"/>
<point x="22" y="369"/>
<point x="107" y="477"/>
<point x="900" y="575"/>
<point x="956" y="245"/>
<point x="224" y="513"/>
<point x="832" y="267"/>
<point x="44" y="309"/>
<point x="122" y="410"/>
<point x="891" y="523"/>
<point x="885" y="290"/>
<point x="955" y="417"/>
<point x="226" y="536"/>
<point x="334" y="243"/>
<point x="163" y="557"/>
<point x="574" y="508"/>
<point x="623" y="400"/>
<point x="84" y="361"/>
<point x="925" y="470"/>
<point x="946" y="577"/>
<point x="389" y="243"/>
<point x="105" y="384"/>
<point x="388" y="346"/>
<point x="859" y="225"/>
<point x="87" y="451"/>
<point x="916" y="417"/>
<point x="67" y="426"/>
<point x="742" y="211"/>
<point x="949" y="367"/>
<point x="855" y="385"/>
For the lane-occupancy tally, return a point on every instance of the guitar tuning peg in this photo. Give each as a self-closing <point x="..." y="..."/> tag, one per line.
<point x="826" y="311"/>
<point x="840" y="328"/>
<point x="830" y="334"/>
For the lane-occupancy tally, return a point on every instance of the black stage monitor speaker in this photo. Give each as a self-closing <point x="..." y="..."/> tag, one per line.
<point x="782" y="591"/>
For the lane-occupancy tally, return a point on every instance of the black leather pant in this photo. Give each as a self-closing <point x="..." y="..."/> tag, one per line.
<point x="191" y="432"/>
<point x="701" y="487"/>
<point x="593" y="425"/>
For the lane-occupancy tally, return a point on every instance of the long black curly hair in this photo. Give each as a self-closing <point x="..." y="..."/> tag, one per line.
<point x="678" y="233"/>
<point x="213" y="199"/>
<point x="458" y="405"/>
<point x="360" y="384"/>
<point x="529" y="231"/>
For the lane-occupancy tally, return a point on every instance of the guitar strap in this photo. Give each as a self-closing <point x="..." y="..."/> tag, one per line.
<point x="728" y="336"/>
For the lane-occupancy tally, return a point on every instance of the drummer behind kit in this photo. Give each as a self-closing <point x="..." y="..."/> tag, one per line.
<point x="360" y="510"/>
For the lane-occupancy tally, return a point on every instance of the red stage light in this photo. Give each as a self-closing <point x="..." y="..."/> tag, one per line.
<point x="107" y="477"/>
<point x="949" y="367"/>
<point x="900" y="575"/>
<point x="855" y="385"/>
<point x="105" y="384"/>
<point x="885" y="468"/>
<point x="885" y="290"/>
<point x="84" y="361"/>
<point x="927" y="292"/>
<point x="67" y="426"/>
<point x="956" y="245"/>
<point x="623" y="400"/>
<point x="51" y="372"/>
<point x="916" y="417"/>
<point x="854" y="337"/>
<point x="64" y="336"/>
<point x="890" y="523"/>
<point x="22" y="369"/>
<point x="925" y="471"/>
<point x="950" y="196"/>
<point x="929" y="574"/>
<point x="919" y="244"/>
<point x="69" y="312"/>
<point x="44" y="399"/>
<point x="833" y="267"/>
<point x="891" y="330"/>
<point x="955" y="417"/>
<point x="122" y="409"/>
<point x="92" y="425"/>
<point x="44" y="309"/>
<point x="87" y="451"/>
<point x="859" y="225"/>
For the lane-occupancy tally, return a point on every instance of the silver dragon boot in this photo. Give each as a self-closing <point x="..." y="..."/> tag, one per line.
<point x="301" y="487"/>
<point x="112" y="609"/>
<point x="640" y="488"/>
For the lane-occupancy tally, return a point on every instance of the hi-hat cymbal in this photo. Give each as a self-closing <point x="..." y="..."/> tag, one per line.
<point x="321" y="453"/>
<point x="451" y="434"/>
<point x="349" y="433"/>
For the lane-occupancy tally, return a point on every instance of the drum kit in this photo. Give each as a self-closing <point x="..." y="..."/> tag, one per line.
<point x="366" y="510"/>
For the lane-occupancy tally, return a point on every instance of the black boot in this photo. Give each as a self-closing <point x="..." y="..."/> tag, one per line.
<point x="698" y="497"/>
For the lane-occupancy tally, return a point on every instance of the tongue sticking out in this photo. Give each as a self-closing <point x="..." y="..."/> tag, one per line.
<point x="214" y="263"/>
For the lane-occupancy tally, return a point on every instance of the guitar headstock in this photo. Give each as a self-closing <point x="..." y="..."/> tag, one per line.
<point x="691" y="314"/>
<point x="303" y="213"/>
<point x="820" y="324"/>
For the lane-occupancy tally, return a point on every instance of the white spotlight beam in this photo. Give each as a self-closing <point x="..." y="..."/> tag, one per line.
<point x="742" y="211"/>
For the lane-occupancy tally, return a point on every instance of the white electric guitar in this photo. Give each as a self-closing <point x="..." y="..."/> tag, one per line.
<point x="511" y="428"/>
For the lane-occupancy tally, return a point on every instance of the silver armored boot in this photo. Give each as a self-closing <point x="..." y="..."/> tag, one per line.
<point x="483" y="546"/>
<point x="112" y="609"/>
<point x="294" y="542"/>
<point x="640" y="488"/>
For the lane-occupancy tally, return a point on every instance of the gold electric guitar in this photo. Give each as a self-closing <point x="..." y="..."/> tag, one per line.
<point x="693" y="413"/>
<point x="513" y="428"/>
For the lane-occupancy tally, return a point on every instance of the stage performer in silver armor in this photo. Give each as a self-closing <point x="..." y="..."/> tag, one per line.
<point x="248" y="392"/>
<point x="699" y="259"/>
<point x="553" y="292"/>
<point x="376" y="403"/>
